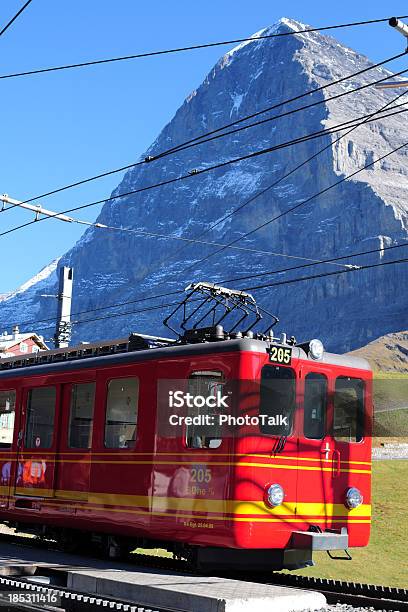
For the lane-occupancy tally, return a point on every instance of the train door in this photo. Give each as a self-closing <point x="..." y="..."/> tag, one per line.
<point x="37" y="441"/>
<point x="352" y="454"/>
<point x="8" y="401"/>
<point x="318" y="460"/>
<point x="334" y="454"/>
<point x="120" y="477"/>
<point x="72" y="472"/>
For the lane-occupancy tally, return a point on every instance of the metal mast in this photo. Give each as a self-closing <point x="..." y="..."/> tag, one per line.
<point x="402" y="28"/>
<point x="62" y="336"/>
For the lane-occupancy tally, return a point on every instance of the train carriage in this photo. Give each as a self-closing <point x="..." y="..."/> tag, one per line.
<point x="88" y="452"/>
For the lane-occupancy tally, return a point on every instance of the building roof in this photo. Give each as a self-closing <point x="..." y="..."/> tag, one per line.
<point x="7" y="341"/>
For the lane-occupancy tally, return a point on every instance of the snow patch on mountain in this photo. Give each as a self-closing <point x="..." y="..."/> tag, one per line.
<point x="42" y="275"/>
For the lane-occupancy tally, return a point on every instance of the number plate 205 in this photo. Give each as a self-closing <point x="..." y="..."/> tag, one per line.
<point x="280" y="354"/>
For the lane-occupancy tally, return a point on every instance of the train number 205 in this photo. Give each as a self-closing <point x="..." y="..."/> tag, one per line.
<point x="200" y="475"/>
<point x="278" y="354"/>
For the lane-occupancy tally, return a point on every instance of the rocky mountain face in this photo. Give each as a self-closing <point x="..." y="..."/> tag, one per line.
<point x="367" y="212"/>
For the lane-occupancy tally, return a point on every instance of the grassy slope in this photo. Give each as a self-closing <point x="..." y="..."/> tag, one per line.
<point x="386" y="354"/>
<point x="385" y="560"/>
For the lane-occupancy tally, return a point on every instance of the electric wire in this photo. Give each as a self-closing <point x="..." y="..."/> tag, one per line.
<point x="224" y="281"/>
<point x="186" y="48"/>
<point x="324" y="274"/>
<point x="327" y="261"/>
<point x="268" y="285"/>
<point x="194" y="240"/>
<point x="274" y="184"/>
<point x="246" y="288"/>
<point x="208" y="136"/>
<point x="6" y="27"/>
<point x="254" y="154"/>
<point x="319" y="193"/>
<point x="318" y="276"/>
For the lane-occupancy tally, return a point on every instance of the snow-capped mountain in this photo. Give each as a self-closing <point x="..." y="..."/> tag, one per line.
<point x="369" y="211"/>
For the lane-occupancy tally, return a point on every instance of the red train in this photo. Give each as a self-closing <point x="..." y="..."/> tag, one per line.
<point x="88" y="450"/>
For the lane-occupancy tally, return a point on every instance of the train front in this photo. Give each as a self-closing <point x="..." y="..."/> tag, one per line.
<point x="302" y="455"/>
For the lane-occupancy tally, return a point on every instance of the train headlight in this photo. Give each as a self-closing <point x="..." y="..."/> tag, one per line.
<point x="275" y="495"/>
<point x="354" y="499"/>
<point x="316" y="349"/>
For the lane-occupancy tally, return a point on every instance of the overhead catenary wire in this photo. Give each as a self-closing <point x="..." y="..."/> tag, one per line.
<point x="324" y="275"/>
<point x="186" y="48"/>
<point x="323" y="132"/>
<point x="218" y="133"/>
<point x="40" y="211"/>
<point x="278" y="283"/>
<point x="323" y="261"/>
<point x="312" y="197"/>
<point x="283" y="177"/>
<point x="342" y="179"/>
<point x="299" y="266"/>
<point x="48" y="213"/>
<point x="228" y="280"/>
<point x="246" y="288"/>
<point x="9" y="23"/>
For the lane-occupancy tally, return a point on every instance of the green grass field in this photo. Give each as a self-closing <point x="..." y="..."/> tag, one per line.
<point x="385" y="560"/>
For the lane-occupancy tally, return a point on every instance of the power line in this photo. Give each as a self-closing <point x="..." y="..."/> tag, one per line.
<point x="6" y="27"/>
<point x="323" y="261"/>
<point x="229" y="280"/>
<point x="397" y="109"/>
<point x="49" y="213"/>
<point x="319" y="193"/>
<point x="266" y="285"/>
<point x="327" y="261"/>
<point x="322" y="275"/>
<point x="251" y="288"/>
<point x="254" y="154"/>
<point x="209" y="136"/>
<point x="137" y="301"/>
<point x="115" y="314"/>
<point x="279" y="180"/>
<point x="182" y="49"/>
<point x="295" y="98"/>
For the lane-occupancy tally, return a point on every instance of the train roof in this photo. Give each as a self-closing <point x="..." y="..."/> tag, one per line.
<point x="138" y="348"/>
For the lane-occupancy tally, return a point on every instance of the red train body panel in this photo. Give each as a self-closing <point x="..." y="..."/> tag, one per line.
<point x="71" y="463"/>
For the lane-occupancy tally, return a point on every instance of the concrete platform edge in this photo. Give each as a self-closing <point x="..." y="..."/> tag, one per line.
<point x="217" y="595"/>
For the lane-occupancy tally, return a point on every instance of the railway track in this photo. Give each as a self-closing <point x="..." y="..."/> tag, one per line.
<point x="350" y="593"/>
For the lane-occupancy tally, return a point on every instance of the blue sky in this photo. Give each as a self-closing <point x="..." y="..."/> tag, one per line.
<point x="60" y="127"/>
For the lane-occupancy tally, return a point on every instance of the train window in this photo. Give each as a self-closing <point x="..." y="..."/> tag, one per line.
<point x="206" y="384"/>
<point x="7" y="414"/>
<point x="121" y="413"/>
<point x="40" y="417"/>
<point x="348" y="409"/>
<point x="277" y="400"/>
<point x="81" y="415"/>
<point x="314" y="424"/>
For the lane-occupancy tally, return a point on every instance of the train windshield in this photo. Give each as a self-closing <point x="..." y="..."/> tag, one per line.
<point x="277" y="400"/>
